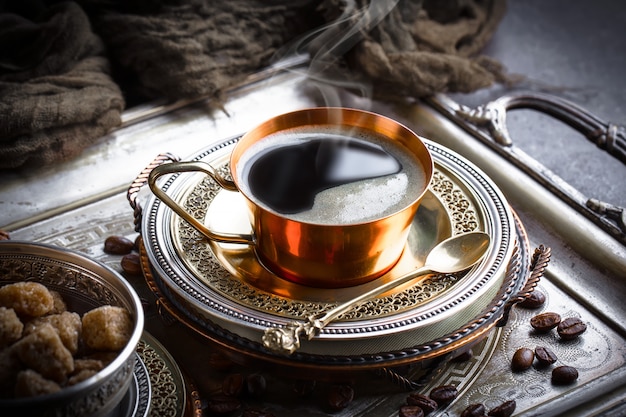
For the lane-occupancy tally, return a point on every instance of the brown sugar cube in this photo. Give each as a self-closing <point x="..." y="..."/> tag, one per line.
<point x="107" y="328"/>
<point x="87" y="364"/>
<point x="11" y="327"/>
<point x="81" y="376"/>
<point x="44" y="352"/>
<point x="27" y="298"/>
<point x="104" y="357"/>
<point x="68" y="325"/>
<point x="83" y="369"/>
<point x="10" y="365"/>
<point x="59" y="305"/>
<point x="31" y="384"/>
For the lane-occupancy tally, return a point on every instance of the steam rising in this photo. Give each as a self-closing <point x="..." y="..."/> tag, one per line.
<point x="326" y="45"/>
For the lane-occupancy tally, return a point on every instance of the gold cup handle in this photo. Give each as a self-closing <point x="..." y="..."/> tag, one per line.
<point x="195" y="166"/>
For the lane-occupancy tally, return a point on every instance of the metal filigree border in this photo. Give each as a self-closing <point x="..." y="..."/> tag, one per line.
<point x="144" y="395"/>
<point x="166" y="383"/>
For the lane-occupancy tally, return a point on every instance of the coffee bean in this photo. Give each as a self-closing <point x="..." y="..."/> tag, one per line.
<point x="222" y="404"/>
<point x="118" y="245"/>
<point x="444" y="394"/>
<point x="131" y="264"/>
<point x="571" y="328"/>
<point x="506" y="409"/>
<point x="137" y="243"/>
<point x="304" y="387"/>
<point x="4" y="235"/>
<point x="428" y="405"/>
<point x="564" y="375"/>
<point x="535" y="300"/>
<point x="220" y="362"/>
<point x="522" y="359"/>
<point x="545" y="356"/>
<point x="340" y="396"/>
<point x="545" y="322"/>
<point x="410" y="411"/>
<point x="232" y="385"/>
<point x="256" y="385"/>
<point x="474" y="410"/>
<point x="251" y="412"/>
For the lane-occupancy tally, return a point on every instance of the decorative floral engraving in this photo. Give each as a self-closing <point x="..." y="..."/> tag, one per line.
<point x="198" y="254"/>
<point x="143" y="384"/>
<point x="57" y="274"/>
<point x="165" y="393"/>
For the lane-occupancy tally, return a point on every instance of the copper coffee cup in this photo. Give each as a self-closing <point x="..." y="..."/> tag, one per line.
<point x="322" y="255"/>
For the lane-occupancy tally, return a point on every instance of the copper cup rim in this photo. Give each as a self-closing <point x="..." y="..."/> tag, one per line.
<point x="379" y="124"/>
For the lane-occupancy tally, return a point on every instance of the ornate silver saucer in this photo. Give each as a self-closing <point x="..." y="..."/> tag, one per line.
<point x="224" y="287"/>
<point x="158" y="387"/>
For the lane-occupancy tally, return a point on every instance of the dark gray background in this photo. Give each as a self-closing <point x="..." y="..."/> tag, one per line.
<point x="575" y="49"/>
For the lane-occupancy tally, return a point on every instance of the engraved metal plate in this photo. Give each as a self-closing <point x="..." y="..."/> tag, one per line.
<point x="169" y="392"/>
<point x="221" y="283"/>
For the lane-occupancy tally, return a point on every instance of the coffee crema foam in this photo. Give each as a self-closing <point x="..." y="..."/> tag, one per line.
<point x="353" y="202"/>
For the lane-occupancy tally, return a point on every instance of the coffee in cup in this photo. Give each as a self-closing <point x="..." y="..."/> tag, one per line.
<point x="330" y="175"/>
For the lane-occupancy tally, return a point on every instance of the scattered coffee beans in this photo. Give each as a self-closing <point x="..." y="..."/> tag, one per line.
<point x="545" y="357"/>
<point x="410" y="411"/>
<point x="535" y="300"/>
<point x="131" y="264"/>
<point x="256" y="385"/>
<point x="444" y="394"/>
<point x="232" y="385"/>
<point x="118" y="245"/>
<point x="571" y="328"/>
<point x="564" y="375"/>
<point x="304" y="387"/>
<point x="222" y="404"/>
<point x="340" y="396"/>
<point x="522" y="359"/>
<point x="428" y="405"/>
<point x="474" y="410"/>
<point x="220" y="362"/>
<point x="506" y="409"/>
<point x="545" y="322"/>
<point x="252" y="412"/>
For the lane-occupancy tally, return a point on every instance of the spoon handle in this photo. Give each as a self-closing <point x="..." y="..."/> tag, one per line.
<point x="287" y="339"/>
<point x="337" y="311"/>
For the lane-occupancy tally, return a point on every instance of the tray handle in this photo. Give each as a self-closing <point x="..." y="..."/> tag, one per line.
<point x="538" y="265"/>
<point x="141" y="180"/>
<point x="607" y="136"/>
<point x="488" y="123"/>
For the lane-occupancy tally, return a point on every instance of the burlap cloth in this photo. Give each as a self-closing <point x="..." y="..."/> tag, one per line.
<point x="69" y="69"/>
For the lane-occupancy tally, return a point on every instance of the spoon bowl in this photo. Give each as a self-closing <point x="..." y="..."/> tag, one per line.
<point x="457" y="253"/>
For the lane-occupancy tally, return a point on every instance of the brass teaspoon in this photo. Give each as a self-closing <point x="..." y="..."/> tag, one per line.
<point x="451" y="255"/>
